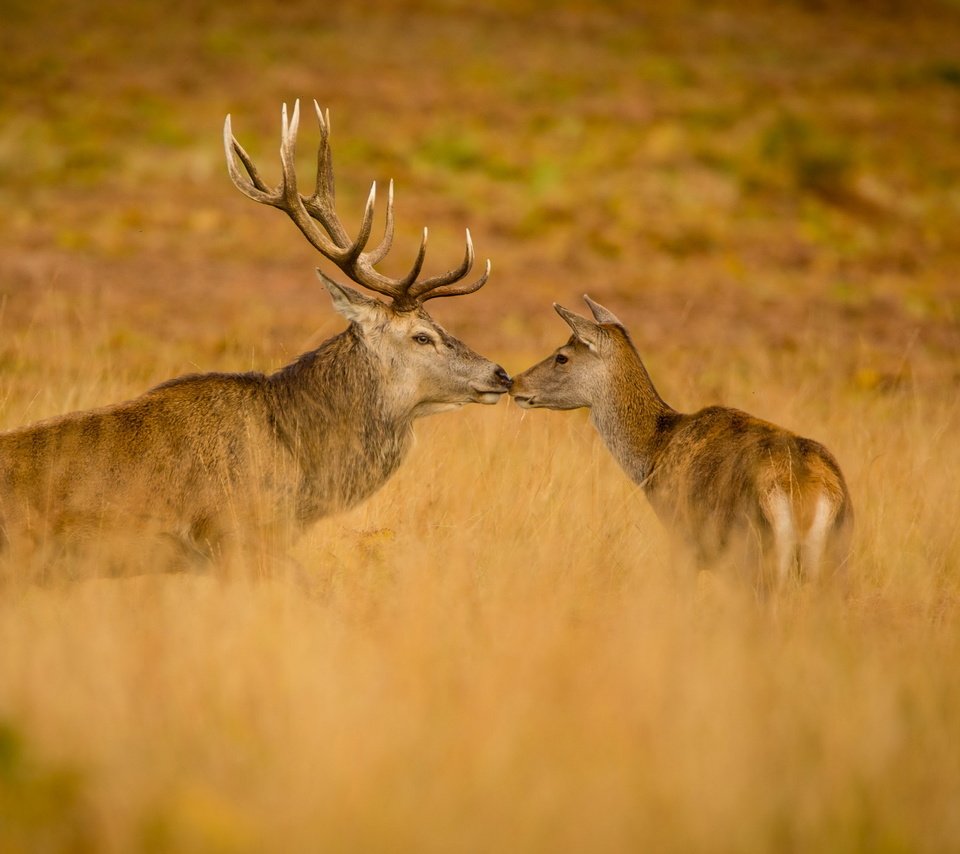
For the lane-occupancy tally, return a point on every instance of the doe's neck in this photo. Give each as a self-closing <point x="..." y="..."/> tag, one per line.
<point x="629" y="414"/>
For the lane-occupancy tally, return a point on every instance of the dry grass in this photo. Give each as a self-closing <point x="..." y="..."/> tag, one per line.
<point x="500" y="650"/>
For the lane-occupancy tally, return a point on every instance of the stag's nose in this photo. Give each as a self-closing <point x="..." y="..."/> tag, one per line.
<point x="503" y="377"/>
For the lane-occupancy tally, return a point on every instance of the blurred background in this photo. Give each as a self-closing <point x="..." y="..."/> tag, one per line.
<point x="500" y="653"/>
<point x="774" y="172"/>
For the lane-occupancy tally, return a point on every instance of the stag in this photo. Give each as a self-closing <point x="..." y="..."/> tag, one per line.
<point x="209" y="467"/>
<point x="735" y="488"/>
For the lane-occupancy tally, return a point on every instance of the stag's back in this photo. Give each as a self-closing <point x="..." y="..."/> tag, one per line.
<point x="185" y="462"/>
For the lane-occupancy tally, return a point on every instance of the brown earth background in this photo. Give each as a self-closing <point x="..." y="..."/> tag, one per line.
<point x="501" y="657"/>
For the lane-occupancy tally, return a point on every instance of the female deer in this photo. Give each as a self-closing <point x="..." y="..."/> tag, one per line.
<point x="732" y="486"/>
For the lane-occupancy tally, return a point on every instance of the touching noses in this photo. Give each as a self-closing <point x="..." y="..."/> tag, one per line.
<point x="503" y="377"/>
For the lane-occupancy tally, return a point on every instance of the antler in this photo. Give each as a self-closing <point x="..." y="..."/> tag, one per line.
<point x="317" y="218"/>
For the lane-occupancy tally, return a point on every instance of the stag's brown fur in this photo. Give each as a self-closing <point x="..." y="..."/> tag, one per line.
<point x="731" y="485"/>
<point x="217" y="465"/>
<point x="207" y="464"/>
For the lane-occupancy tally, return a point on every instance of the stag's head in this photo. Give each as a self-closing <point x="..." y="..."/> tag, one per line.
<point x="426" y="368"/>
<point x="579" y="372"/>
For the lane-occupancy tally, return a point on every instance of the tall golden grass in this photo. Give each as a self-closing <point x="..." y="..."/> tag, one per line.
<point x="500" y="651"/>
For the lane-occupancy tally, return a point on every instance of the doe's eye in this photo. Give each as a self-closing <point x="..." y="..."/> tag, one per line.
<point x="421" y="338"/>
<point x="561" y="359"/>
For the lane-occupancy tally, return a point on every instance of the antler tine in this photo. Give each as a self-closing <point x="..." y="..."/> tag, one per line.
<point x="325" y="189"/>
<point x="330" y="242"/>
<point x="253" y="186"/>
<point x="427" y="288"/>
<point x="407" y="281"/>
<point x="288" y="150"/>
<point x="321" y="204"/>
<point x="375" y="256"/>
<point x="458" y="290"/>
<point x="250" y="167"/>
<point x="366" y="226"/>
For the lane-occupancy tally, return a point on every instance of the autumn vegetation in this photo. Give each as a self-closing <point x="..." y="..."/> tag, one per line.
<point x="501" y="649"/>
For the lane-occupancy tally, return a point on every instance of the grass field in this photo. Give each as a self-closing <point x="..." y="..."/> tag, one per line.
<point x="500" y="651"/>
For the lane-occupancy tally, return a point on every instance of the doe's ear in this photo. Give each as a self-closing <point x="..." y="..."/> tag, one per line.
<point x="353" y="305"/>
<point x="586" y="331"/>
<point x="600" y="313"/>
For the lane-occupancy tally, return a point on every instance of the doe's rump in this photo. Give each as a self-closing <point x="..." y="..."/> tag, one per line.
<point x="744" y="490"/>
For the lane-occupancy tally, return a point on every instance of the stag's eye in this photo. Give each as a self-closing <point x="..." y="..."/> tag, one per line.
<point x="422" y="338"/>
<point x="561" y="359"/>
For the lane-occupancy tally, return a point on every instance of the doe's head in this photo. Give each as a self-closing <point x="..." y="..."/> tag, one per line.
<point x="578" y="372"/>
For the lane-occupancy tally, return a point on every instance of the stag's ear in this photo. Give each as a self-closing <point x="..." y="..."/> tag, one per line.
<point x="586" y="331"/>
<point x="600" y="313"/>
<point x="353" y="305"/>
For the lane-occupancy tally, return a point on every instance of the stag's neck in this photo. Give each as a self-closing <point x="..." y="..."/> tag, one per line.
<point x="334" y="416"/>
<point x="631" y="416"/>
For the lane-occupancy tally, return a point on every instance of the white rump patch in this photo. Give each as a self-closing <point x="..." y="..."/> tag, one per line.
<point x="815" y="540"/>
<point x="780" y="513"/>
